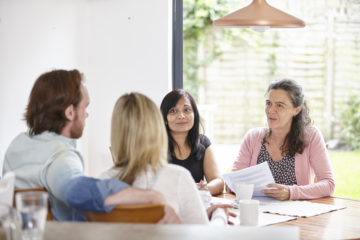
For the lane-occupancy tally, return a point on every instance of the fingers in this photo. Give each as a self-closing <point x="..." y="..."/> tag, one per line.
<point x="274" y="185"/>
<point x="277" y="191"/>
<point x="212" y="208"/>
<point x="202" y="185"/>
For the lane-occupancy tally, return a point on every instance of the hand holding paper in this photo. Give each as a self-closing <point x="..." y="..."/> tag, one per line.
<point x="260" y="175"/>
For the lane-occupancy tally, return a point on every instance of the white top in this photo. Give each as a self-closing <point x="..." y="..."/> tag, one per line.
<point x="178" y="188"/>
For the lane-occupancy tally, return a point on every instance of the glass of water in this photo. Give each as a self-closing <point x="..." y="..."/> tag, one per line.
<point x="10" y="223"/>
<point x="32" y="207"/>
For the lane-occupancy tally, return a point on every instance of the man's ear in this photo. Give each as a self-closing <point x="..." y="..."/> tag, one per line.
<point x="70" y="112"/>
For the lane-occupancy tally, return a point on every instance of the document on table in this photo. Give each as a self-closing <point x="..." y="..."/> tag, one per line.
<point x="298" y="208"/>
<point x="265" y="219"/>
<point x="260" y="175"/>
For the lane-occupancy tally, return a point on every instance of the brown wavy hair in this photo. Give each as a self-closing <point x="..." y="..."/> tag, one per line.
<point x="295" y="141"/>
<point x="51" y="94"/>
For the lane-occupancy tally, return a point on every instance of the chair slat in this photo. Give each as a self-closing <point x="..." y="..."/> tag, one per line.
<point x="149" y="213"/>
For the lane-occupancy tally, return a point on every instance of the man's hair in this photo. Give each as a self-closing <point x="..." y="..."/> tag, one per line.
<point x="51" y="94"/>
<point x="138" y="136"/>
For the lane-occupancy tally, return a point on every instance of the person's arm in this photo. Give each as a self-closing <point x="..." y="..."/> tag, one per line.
<point x="219" y="214"/>
<point x="134" y="196"/>
<point x="319" y="161"/>
<point x="63" y="177"/>
<point x="104" y="195"/>
<point x="59" y="171"/>
<point x="191" y="207"/>
<point x="90" y="194"/>
<point x="215" y="183"/>
<point x="278" y="191"/>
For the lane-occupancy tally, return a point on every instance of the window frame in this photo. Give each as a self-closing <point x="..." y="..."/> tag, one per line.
<point x="177" y="44"/>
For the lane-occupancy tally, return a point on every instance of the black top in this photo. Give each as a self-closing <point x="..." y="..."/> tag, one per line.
<point x="195" y="166"/>
<point x="282" y="171"/>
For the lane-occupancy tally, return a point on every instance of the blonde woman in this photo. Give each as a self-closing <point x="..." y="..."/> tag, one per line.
<point x="139" y="148"/>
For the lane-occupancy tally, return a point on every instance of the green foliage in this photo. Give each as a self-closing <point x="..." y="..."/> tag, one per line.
<point x="350" y="121"/>
<point x="198" y="17"/>
<point x="346" y="169"/>
<point x="272" y="58"/>
<point x="204" y="43"/>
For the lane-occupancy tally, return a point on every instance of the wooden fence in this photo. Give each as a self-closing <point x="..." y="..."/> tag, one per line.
<point x="324" y="58"/>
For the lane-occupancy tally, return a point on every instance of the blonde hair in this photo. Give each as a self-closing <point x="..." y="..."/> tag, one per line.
<point x="138" y="136"/>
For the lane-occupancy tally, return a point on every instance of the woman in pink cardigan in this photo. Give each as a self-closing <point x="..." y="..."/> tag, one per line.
<point x="296" y="152"/>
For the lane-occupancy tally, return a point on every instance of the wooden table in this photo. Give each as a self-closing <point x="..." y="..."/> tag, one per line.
<point x="340" y="224"/>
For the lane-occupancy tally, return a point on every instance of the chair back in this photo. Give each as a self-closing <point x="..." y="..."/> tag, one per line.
<point x="38" y="189"/>
<point x="148" y="213"/>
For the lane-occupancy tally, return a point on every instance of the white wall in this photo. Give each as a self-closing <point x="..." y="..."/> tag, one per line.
<point x="121" y="46"/>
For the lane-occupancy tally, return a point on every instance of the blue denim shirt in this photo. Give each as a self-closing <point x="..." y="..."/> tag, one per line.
<point x="88" y="194"/>
<point x="52" y="161"/>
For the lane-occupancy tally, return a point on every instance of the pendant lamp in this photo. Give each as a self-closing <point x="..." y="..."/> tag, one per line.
<point x="259" y="16"/>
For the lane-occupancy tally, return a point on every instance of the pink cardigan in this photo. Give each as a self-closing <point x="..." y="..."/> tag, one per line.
<point x="314" y="161"/>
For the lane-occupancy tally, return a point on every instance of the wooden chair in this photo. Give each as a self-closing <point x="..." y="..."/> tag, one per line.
<point x="149" y="213"/>
<point x="38" y="189"/>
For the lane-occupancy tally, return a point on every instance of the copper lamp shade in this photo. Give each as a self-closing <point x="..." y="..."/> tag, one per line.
<point x="259" y="14"/>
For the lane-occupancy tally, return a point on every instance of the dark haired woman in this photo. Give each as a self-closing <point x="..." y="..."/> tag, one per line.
<point x="295" y="150"/>
<point x="187" y="146"/>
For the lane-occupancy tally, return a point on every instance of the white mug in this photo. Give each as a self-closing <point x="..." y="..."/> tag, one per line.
<point x="243" y="190"/>
<point x="249" y="212"/>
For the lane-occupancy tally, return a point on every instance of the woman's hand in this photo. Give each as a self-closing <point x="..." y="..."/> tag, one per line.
<point x="278" y="191"/>
<point x="213" y="207"/>
<point x="202" y="185"/>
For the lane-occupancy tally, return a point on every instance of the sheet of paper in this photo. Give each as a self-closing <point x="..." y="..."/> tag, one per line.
<point x="260" y="175"/>
<point x="298" y="208"/>
<point x="235" y="204"/>
<point x="264" y="218"/>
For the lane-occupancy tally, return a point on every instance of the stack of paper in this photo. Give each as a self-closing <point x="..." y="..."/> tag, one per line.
<point x="260" y="175"/>
<point x="298" y="208"/>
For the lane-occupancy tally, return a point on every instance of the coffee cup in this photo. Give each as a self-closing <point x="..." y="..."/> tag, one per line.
<point x="249" y="212"/>
<point x="243" y="190"/>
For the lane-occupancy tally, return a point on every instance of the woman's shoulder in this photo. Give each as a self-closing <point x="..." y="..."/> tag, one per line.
<point x="256" y="132"/>
<point x="313" y="133"/>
